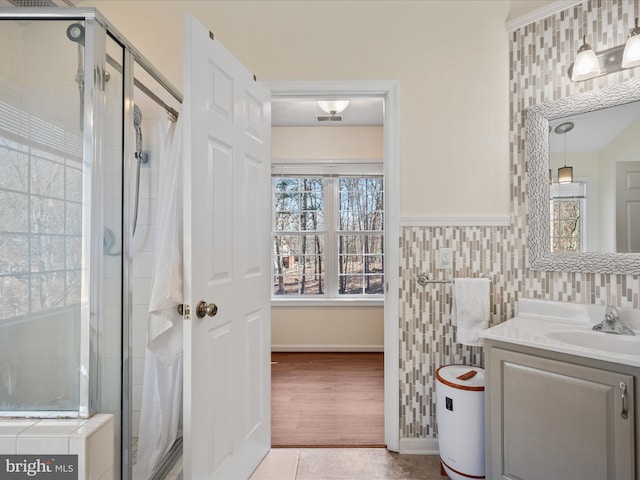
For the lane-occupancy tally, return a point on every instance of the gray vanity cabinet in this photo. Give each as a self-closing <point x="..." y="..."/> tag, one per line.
<point x="550" y="419"/>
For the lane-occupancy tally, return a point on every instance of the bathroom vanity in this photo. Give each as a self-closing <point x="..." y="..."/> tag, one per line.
<point x="560" y="397"/>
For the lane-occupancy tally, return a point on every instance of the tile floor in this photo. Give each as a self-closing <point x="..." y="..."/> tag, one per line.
<point x="346" y="464"/>
<point x="339" y="464"/>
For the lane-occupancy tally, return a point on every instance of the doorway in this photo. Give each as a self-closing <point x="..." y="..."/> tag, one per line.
<point x="387" y="91"/>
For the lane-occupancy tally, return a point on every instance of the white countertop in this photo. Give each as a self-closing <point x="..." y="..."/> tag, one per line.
<point x="537" y="321"/>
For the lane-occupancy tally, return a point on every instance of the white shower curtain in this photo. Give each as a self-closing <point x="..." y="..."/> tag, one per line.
<point x="162" y="385"/>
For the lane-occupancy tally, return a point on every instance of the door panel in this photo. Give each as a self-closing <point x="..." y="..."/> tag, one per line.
<point x="627" y="207"/>
<point x="227" y="256"/>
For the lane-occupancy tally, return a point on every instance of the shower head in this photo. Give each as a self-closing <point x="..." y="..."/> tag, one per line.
<point x="75" y="33"/>
<point x="137" y="116"/>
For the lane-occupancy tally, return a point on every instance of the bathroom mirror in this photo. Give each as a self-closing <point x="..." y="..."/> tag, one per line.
<point x="541" y="121"/>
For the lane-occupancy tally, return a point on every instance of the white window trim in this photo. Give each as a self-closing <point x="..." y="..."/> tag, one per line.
<point x="328" y="169"/>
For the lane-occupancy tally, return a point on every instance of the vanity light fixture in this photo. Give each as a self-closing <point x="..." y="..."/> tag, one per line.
<point x="631" y="55"/>
<point x="333" y="107"/>
<point x="565" y="174"/>
<point x="586" y="65"/>
<point x="589" y="64"/>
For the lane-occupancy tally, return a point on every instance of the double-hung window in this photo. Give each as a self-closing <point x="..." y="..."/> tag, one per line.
<point x="568" y="213"/>
<point x="328" y="236"/>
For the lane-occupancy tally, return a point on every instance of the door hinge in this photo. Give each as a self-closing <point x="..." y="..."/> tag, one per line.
<point x="387" y="286"/>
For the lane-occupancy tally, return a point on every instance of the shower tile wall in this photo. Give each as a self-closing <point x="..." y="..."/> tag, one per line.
<point x="540" y="55"/>
<point x="143" y="243"/>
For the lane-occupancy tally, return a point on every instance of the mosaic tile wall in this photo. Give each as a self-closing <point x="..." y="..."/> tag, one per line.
<point x="540" y="54"/>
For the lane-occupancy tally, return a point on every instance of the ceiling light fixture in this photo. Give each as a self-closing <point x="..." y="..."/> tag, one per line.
<point x="333" y="107"/>
<point x="589" y="64"/>
<point x="631" y="55"/>
<point x="565" y="174"/>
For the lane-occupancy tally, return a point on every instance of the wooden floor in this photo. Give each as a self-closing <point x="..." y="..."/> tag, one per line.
<point x="327" y="400"/>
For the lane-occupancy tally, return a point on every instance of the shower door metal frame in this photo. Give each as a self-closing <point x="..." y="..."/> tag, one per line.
<point x="92" y="218"/>
<point x="96" y="30"/>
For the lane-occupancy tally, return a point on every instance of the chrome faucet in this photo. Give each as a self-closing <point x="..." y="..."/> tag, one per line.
<point x="611" y="323"/>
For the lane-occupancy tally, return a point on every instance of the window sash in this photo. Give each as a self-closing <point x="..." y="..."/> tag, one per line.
<point x="332" y="281"/>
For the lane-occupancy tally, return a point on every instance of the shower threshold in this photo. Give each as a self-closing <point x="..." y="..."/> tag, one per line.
<point x="40" y="414"/>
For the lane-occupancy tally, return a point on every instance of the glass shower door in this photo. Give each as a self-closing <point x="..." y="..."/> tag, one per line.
<point x="41" y="235"/>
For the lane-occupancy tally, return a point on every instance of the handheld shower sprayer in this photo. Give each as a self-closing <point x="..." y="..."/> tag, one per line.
<point x="137" y="122"/>
<point x="141" y="158"/>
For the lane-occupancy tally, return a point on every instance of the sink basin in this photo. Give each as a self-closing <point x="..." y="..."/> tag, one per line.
<point x="607" y="342"/>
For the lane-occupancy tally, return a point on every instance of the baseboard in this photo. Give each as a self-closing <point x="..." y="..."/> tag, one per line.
<point x="327" y="348"/>
<point x="419" y="446"/>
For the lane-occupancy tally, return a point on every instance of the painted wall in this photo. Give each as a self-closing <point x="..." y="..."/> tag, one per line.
<point x="448" y="91"/>
<point x="335" y="327"/>
<point x="326" y="143"/>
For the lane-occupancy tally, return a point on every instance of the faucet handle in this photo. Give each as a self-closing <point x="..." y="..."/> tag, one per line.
<point x="612" y="312"/>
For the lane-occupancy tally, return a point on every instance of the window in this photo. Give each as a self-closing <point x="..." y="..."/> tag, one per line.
<point x="328" y="236"/>
<point x="567" y="217"/>
<point x="41" y="222"/>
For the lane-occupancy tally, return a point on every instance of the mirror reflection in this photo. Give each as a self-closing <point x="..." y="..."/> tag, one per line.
<point x="594" y="176"/>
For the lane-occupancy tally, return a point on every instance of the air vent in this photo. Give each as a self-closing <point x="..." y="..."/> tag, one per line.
<point x="33" y="3"/>
<point x="328" y="118"/>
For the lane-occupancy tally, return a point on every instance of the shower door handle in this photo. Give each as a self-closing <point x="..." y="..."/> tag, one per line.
<point x="203" y="309"/>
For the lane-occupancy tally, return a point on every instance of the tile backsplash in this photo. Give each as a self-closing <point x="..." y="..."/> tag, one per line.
<point x="540" y="55"/>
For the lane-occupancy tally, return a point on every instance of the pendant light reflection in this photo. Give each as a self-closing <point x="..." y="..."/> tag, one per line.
<point x="631" y="55"/>
<point x="586" y="65"/>
<point x="565" y="174"/>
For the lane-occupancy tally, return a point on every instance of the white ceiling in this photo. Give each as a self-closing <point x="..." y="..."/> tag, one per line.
<point x="295" y="112"/>
<point x="595" y="130"/>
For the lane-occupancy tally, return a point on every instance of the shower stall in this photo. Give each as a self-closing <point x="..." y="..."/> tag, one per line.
<point x="82" y="120"/>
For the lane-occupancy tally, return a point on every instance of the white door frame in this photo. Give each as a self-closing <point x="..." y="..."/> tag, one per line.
<point x="389" y="90"/>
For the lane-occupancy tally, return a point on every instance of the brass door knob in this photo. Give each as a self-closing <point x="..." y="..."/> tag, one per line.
<point x="205" y="308"/>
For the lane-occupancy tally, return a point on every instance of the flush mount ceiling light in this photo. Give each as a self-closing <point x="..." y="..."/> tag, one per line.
<point x="631" y="55"/>
<point x="333" y="107"/>
<point x="586" y="65"/>
<point x="590" y="64"/>
<point x="565" y="174"/>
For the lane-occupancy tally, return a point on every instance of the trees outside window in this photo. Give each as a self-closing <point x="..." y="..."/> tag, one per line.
<point x="567" y="216"/>
<point x="328" y="236"/>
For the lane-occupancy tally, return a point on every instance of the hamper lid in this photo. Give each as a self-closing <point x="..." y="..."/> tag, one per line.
<point x="464" y="377"/>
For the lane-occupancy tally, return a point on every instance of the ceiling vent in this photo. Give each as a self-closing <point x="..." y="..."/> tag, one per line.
<point x="42" y="3"/>
<point x="328" y="118"/>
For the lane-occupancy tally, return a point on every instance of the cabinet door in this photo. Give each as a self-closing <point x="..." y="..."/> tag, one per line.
<point x="558" y="420"/>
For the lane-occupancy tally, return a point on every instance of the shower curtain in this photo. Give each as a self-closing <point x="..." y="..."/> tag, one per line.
<point x="162" y="385"/>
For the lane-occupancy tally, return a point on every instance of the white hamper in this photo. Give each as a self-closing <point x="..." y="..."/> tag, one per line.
<point x="460" y="418"/>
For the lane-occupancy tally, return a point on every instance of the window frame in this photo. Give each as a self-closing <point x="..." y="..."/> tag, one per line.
<point x="330" y="172"/>
<point x="575" y="191"/>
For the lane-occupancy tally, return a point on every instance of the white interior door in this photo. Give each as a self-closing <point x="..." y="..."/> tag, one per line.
<point x="227" y="382"/>
<point x="627" y="207"/>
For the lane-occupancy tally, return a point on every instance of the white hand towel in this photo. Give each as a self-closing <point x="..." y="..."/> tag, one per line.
<point x="165" y="324"/>
<point x="470" y="309"/>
